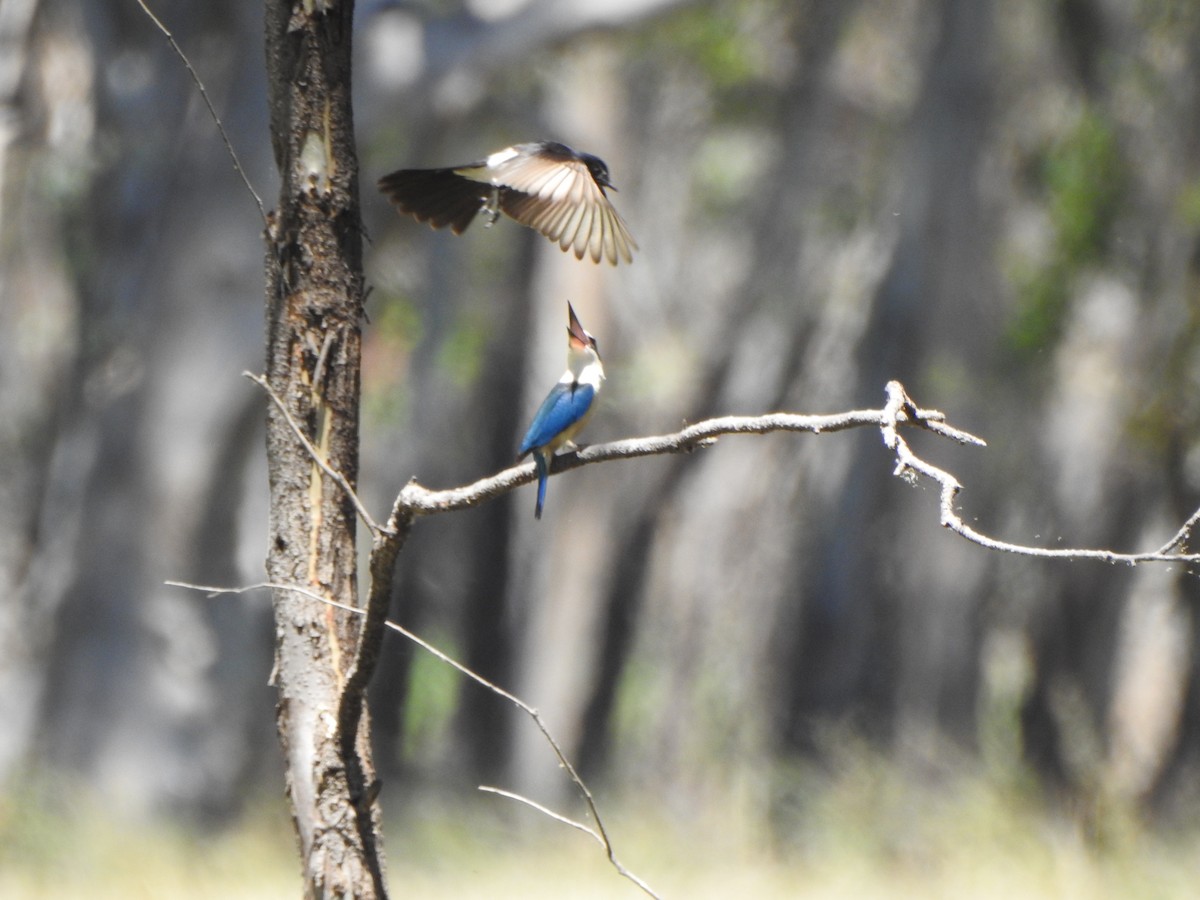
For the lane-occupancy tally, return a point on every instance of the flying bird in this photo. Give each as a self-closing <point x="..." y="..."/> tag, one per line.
<point x="545" y="185"/>
<point x="566" y="407"/>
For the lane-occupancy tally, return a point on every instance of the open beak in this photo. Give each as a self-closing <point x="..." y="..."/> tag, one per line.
<point x="575" y="329"/>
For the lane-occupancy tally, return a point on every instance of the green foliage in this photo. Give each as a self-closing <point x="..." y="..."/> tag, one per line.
<point x="397" y="322"/>
<point x="1188" y="205"/>
<point x="1043" y="293"/>
<point x="728" y="42"/>
<point x="432" y="699"/>
<point x="395" y="331"/>
<point x="727" y="166"/>
<point x="1082" y="176"/>
<point x="462" y="355"/>
<point x="711" y="36"/>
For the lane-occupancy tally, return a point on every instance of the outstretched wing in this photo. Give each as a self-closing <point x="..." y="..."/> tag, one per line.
<point x="561" y="414"/>
<point x="561" y="199"/>
<point x="437" y="196"/>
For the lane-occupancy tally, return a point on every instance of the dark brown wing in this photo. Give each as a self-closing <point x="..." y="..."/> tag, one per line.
<point x="437" y="196"/>
<point x="561" y="199"/>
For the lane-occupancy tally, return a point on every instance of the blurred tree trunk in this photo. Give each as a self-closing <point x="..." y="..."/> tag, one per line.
<point x="854" y="649"/>
<point x="123" y="281"/>
<point x="314" y="345"/>
<point x="39" y="361"/>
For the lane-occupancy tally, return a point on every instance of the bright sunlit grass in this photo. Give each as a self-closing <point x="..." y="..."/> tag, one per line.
<point x="867" y="831"/>
<point x="76" y="851"/>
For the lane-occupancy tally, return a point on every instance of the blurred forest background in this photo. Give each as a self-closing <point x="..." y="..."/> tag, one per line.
<point x="997" y="204"/>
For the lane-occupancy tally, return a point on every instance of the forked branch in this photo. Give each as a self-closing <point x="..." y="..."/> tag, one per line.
<point x="900" y="408"/>
<point x="599" y="833"/>
<point x="415" y="501"/>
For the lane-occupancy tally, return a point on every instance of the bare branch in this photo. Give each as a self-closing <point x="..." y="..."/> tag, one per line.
<point x="333" y="473"/>
<point x="423" y="501"/>
<point x="901" y="408"/>
<point x="1182" y="536"/>
<point x="545" y="810"/>
<point x="211" y="591"/>
<point x="237" y="164"/>
<point x="599" y="833"/>
<point x="899" y="411"/>
<point x="416" y="500"/>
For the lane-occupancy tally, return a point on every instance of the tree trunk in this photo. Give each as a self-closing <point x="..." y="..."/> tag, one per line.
<point x="314" y="308"/>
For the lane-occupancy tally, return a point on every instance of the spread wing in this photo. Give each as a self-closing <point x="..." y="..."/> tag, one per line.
<point x="562" y="200"/>
<point x="437" y="196"/>
<point x="563" y="410"/>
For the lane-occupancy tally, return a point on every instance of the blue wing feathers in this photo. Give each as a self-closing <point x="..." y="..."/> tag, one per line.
<point x="565" y="405"/>
<point x="563" y="409"/>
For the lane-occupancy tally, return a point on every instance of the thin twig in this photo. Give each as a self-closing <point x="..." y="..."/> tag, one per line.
<point x="544" y="810"/>
<point x="1183" y="535"/>
<point x="900" y="409"/>
<point x="600" y="838"/>
<point x="237" y="164"/>
<point x="329" y="470"/>
<point x="211" y="591"/>
<point x="599" y="833"/>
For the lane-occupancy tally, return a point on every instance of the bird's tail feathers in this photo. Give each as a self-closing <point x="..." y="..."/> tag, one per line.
<point x="437" y="196"/>
<point x="543" y="473"/>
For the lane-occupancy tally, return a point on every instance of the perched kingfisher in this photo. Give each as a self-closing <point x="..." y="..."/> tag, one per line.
<point x="553" y="189"/>
<point x="566" y="407"/>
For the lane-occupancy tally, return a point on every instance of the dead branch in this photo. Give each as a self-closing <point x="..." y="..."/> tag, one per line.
<point x="422" y="501"/>
<point x="599" y="832"/>
<point x="212" y="112"/>
<point x="416" y="500"/>
<point x="901" y="408"/>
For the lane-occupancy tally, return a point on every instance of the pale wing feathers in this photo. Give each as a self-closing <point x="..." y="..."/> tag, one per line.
<point x="562" y="201"/>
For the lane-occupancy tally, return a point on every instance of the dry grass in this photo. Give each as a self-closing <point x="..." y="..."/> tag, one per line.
<point x="868" y="832"/>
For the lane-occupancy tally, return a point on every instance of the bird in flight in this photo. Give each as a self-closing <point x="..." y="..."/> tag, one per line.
<point x="567" y="407"/>
<point x="547" y="186"/>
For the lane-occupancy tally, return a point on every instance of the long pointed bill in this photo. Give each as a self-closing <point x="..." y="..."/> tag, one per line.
<point x="575" y="334"/>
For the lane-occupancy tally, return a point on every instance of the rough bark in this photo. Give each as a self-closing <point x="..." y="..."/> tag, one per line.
<point x="314" y="310"/>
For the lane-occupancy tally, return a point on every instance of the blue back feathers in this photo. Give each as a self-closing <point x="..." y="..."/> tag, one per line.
<point x="563" y="407"/>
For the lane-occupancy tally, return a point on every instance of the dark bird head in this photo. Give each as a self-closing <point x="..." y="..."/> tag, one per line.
<point x="598" y="169"/>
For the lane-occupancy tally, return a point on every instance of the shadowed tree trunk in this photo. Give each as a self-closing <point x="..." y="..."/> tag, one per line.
<point x="314" y="345"/>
